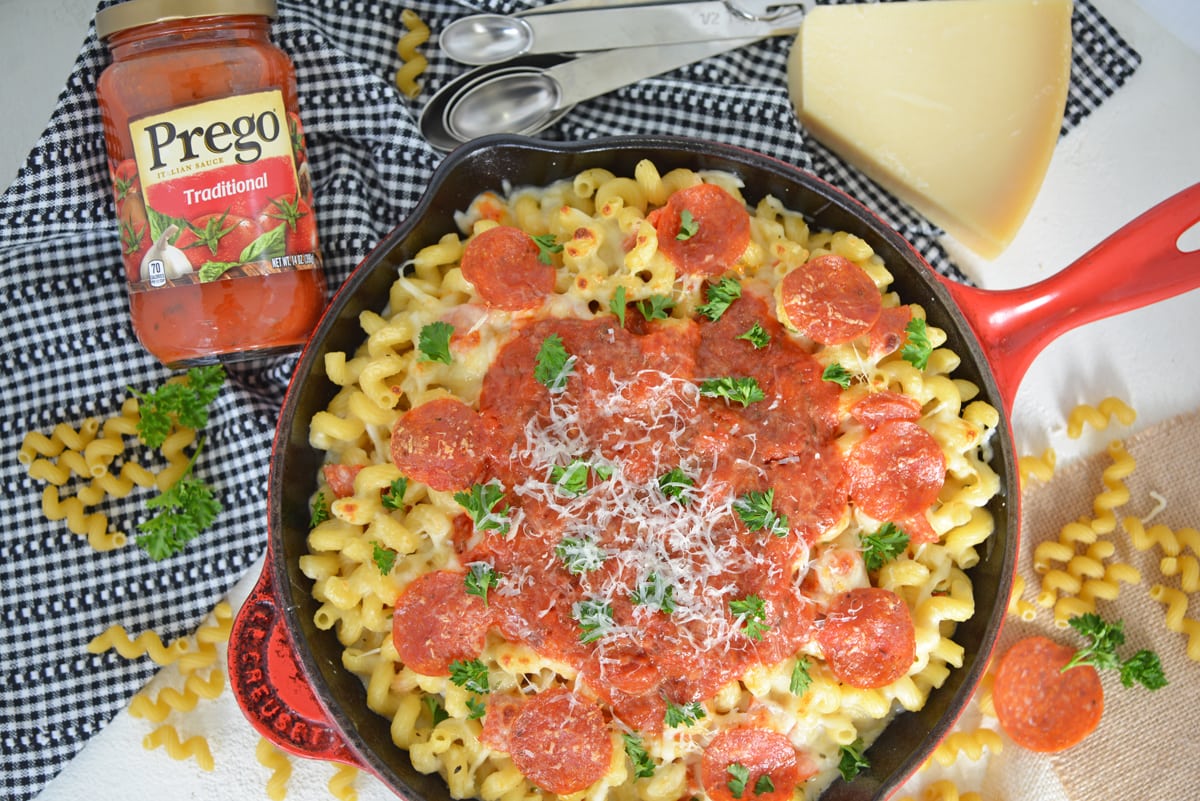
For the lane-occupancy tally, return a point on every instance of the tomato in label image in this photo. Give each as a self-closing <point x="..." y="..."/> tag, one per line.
<point x="300" y="224"/>
<point x="216" y="238"/>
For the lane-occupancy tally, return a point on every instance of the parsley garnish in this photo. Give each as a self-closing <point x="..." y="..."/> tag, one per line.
<point x="755" y="510"/>
<point x="436" y="710"/>
<point x="674" y="485"/>
<point x="554" y="365"/>
<point x="471" y="675"/>
<point x="800" y="681"/>
<point x="393" y="496"/>
<point x="688" y="226"/>
<point x="188" y="507"/>
<point x="643" y="767"/>
<point x="884" y="545"/>
<point x="478" y="502"/>
<point x="721" y="296"/>
<point x="481" y="577"/>
<point x="852" y="761"/>
<point x="837" y="374"/>
<point x="1143" y="667"/>
<point x="752" y="612"/>
<point x="547" y="244"/>
<point x="572" y="480"/>
<point x="320" y="510"/>
<point x="684" y="715"/>
<point x="656" y="307"/>
<point x="757" y="336"/>
<point x="656" y="593"/>
<point x="476" y="708"/>
<point x="741" y="390"/>
<point x="917" y="348"/>
<point x="594" y="617"/>
<point x="434" y="342"/>
<point x="580" y="554"/>
<point x="739" y="775"/>
<point x="617" y="305"/>
<point x="383" y="557"/>
<point x="764" y="785"/>
<point x="184" y="402"/>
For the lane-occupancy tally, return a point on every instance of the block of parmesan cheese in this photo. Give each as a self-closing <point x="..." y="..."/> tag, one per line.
<point x="952" y="105"/>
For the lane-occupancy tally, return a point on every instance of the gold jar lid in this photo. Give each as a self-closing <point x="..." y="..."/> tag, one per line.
<point x="135" y="13"/>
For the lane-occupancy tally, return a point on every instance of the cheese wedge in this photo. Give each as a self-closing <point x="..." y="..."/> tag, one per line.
<point x="952" y="105"/>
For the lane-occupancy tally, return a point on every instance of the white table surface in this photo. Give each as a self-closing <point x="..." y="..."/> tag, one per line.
<point x="1140" y="147"/>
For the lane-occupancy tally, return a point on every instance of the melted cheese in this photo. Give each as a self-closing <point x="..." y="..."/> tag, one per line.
<point x="952" y="105"/>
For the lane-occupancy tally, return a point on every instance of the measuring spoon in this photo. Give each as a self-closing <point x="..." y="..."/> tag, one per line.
<point x="494" y="38"/>
<point x="527" y="100"/>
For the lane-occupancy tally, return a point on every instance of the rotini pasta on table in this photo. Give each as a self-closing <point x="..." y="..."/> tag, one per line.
<point x="614" y="474"/>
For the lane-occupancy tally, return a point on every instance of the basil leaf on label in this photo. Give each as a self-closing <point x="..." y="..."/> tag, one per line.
<point x="212" y="270"/>
<point x="270" y="245"/>
<point x="160" y="222"/>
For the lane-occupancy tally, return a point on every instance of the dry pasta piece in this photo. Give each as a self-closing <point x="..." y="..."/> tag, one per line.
<point x="62" y="437"/>
<point x="195" y="688"/>
<point x="1018" y="605"/>
<point x="1037" y="467"/>
<point x="1176" y="617"/>
<point x="168" y="738"/>
<point x="1186" y="567"/>
<point x="341" y="784"/>
<point x="1144" y="538"/>
<point x="1116" y="493"/>
<point x="92" y="525"/>
<point x="412" y="63"/>
<point x="280" y="766"/>
<point x="970" y="743"/>
<point x="147" y="643"/>
<point x="1099" y="416"/>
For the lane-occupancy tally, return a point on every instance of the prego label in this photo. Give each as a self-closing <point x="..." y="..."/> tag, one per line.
<point x="216" y="190"/>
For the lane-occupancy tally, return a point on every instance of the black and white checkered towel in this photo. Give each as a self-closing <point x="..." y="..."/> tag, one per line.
<point x="67" y="351"/>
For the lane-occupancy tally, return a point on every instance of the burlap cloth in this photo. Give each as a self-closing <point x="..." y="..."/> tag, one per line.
<point x="1148" y="743"/>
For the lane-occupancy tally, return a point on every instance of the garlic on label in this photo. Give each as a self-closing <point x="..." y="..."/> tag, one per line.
<point x="174" y="262"/>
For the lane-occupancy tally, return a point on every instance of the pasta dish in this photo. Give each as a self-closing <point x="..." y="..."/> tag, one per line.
<point x="637" y="491"/>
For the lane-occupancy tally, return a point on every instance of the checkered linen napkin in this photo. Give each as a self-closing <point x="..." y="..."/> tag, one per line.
<point x="68" y="351"/>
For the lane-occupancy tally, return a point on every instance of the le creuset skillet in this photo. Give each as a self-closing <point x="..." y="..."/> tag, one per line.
<point x="288" y="675"/>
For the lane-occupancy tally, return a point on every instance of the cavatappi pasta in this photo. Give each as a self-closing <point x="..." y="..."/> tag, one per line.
<point x="618" y="267"/>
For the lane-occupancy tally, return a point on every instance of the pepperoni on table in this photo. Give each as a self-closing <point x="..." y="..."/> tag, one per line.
<point x="720" y="227"/>
<point x="503" y="265"/>
<point x="340" y="478"/>
<point x="1041" y="706"/>
<point x="561" y="742"/>
<point x="442" y="443"/>
<point x="896" y="471"/>
<point x="830" y="299"/>
<point x="762" y="752"/>
<point x="868" y="637"/>
<point x="881" y="407"/>
<point x="436" y="622"/>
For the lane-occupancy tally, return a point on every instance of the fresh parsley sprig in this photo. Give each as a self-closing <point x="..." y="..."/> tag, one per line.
<point x="837" y="374"/>
<point x="739" y="390"/>
<point x="554" y="364"/>
<point x="184" y="401"/>
<point x="434" y="342"/>
<point x="595" y="618"/>
<point x="320" y="510"/>
<point x="756" y="509"/>
<point x="917" y="347"/>
<point x="757" y="336"/>
<point x="471" y="675"/>
<point x="739" y="774"/>
<point x="383" y="557"/>
<point x="580" y="554"/>
<point x="480" y="502"/>
<point x="1144" y="667"/>
<point x="675" y="483"/>
<point x="187" y="508"/>
<point x="751" y="611"/>
<point x="393" y="496"/>
<point x="683" y="715"/>
<point x="635" y="749"/>
<point x="800" y="680"/>
<point x="572" y="480"/>
<point x="480" y="578"/>
<point x="617" y="305"/>
<point x="656" y="593"/>
<point x="547" y="244"/>
<point x="656" y="307"/>
<point x="882" y="545"/>
<point x="721" y="296"/>
<point x="852" y="761"/>
<point x="689" y="226"/>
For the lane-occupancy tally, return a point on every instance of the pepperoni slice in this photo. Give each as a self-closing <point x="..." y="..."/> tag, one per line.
<point x="889" y="332"/>
<point x="830" y="299"/>
<point x="1040" y="706"/>
<point x="881" y="407"/>
<point x="340" y="478"/>
<point x="442" y="443"/>
<point x="868" y="637"/>
<point x="435" y="623"/>
<point x="762" y="752"/>
<point x="561" y="743"/>
<point x="721" y="230"/>
<point x="503" y="265"/>
<point x="502" y="712"/>
<point x="896" y="471"/>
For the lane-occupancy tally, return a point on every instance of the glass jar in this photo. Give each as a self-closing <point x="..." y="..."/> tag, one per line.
<point x="211" y="180"/>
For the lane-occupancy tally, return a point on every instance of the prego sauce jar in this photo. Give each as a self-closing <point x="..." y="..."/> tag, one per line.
<point x="211" y="180"/>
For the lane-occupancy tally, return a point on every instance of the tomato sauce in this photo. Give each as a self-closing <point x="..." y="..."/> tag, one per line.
<point x="212" y="188"/>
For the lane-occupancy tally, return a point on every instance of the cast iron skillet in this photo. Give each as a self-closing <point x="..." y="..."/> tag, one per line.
<point x="288" y="675"/>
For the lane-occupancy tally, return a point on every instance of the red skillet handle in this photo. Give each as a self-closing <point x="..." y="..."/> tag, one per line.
<point x="269" y="684"/>
<point x="1138" y="265"/>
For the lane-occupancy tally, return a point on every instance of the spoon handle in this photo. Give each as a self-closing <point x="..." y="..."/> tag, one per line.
<point x="597" y="74"/>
